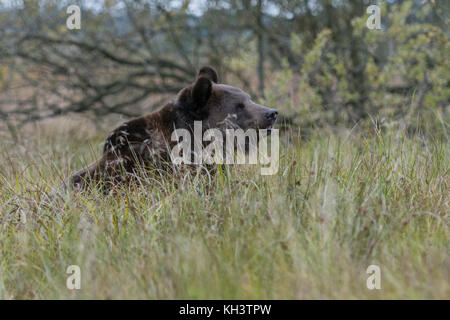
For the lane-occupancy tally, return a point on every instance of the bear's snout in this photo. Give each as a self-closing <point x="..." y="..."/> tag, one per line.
<point x="271" y="115"/>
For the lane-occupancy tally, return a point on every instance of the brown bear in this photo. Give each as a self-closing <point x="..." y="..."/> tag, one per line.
<point x="146" y="141"/>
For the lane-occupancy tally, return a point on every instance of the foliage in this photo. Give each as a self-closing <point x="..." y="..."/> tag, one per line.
<point x="364" y="180"/>
<point x="405" y="71"/>
<point x="337" y="204"/>
<point x="129" y="56"/>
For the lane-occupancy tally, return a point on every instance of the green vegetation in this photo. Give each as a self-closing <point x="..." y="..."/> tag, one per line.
<point x="364" y="159"/>
<point x="340" y="202"/>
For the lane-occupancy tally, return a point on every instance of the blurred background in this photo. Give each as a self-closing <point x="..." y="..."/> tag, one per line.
<point x="314" y="60"/>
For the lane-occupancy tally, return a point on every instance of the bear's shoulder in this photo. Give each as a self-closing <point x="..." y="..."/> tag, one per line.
<point x="154" y="126"/>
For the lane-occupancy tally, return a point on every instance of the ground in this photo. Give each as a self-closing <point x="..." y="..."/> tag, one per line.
<point x="341" y="201"/>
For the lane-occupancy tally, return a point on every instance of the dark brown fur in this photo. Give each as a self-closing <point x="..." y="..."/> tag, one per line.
<point x="146" y="141"/>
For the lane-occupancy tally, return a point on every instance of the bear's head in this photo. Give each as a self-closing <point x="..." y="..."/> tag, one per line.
<point x="221" y="106"/>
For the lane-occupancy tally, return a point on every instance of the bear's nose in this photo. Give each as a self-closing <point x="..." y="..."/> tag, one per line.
<point x="271" y="115"/>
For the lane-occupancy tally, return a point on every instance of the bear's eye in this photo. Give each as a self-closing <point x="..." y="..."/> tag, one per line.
<point x="240" y="106"/>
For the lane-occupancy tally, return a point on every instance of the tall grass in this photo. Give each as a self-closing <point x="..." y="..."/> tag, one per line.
<point x="339" y="203"/>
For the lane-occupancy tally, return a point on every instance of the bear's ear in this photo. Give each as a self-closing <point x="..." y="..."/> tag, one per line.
<point x="201" y="92"/>
<point x="208" y="72"/>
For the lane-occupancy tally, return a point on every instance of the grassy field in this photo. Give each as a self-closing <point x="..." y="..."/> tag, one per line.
<point x="341" y="201"/>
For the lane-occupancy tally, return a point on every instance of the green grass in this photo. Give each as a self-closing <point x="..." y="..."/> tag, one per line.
<point x="339" y="203"/>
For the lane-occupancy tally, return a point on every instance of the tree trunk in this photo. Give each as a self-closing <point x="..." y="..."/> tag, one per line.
<point x="261" y="56"/>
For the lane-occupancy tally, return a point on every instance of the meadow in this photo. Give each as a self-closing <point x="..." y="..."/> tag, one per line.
<point x="342" y="200"/>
